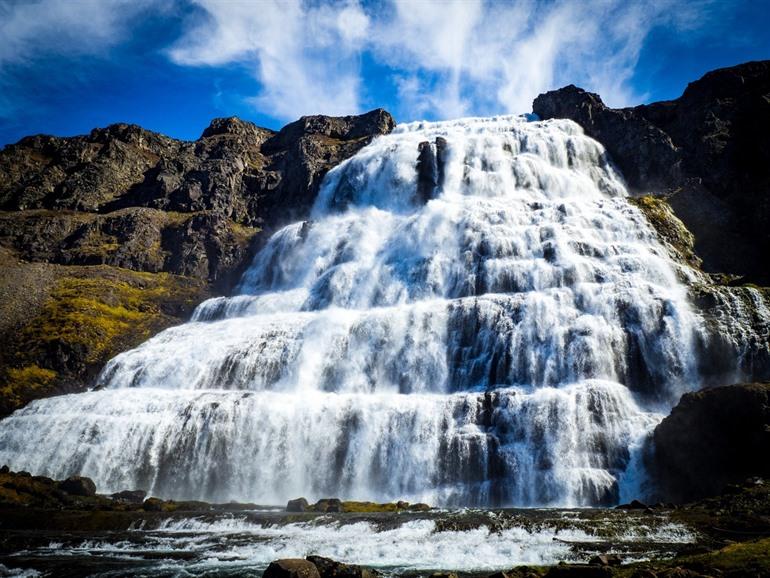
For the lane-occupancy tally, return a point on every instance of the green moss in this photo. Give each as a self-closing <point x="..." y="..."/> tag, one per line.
<point x="22" y="384"/>
<point x="668" y="226"/>
<point x="94" y="313"/>
<point x="749" y="558"/>
<point x="243" y="233"/>
<point x="88" y="317"/>
<point x="368" y="507"/>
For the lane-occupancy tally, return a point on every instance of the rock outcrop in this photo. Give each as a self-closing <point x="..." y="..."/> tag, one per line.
<point x="108" y="238"/>
<point x="707" y="152"/>
<point x="712" y="438"/>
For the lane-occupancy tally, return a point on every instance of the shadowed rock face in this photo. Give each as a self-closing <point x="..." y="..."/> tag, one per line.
<point x="128" y="197"/>
<point x="109" y="237"/>
<point x="712" y="438"/>
<point x="708" y="152"/>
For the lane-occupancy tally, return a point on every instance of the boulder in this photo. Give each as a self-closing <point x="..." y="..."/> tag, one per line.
<point x="606" y="560"/>
<point x="332" y="569"/>
<point x="291" y="568"/>
<point x="328" y="505"/>
<point x="78" y="486"/>
<point x="298" y="505"/>
<point x="130" y="496"/>
<point x="153" y="505"/>
<point x="712" y="438"/>
<point x="633" y="505"/>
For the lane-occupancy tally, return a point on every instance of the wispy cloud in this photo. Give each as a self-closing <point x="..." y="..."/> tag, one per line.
<point x="482" y="57"/>
<point x="440" y="58"/>
<point x="306" y="58"/>
<point x="447" y="58"/>
<point x="31" y="29"/>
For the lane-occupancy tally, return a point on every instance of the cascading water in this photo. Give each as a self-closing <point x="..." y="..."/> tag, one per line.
<point x="492" y="324"/>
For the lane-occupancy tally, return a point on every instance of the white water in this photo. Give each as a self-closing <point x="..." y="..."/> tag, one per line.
<point x="509" y="341"/>
<point x="419" y="544"/>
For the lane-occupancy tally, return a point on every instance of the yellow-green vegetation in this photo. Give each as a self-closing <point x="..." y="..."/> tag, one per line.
<point x="742" y="558"/>
<point x="668" y="226"/>
<point x="244" y="233"/>
<point x="25" y="381"/>
<point x="97" y="313"/>
<point x="368" y="507"/>
<point x="90" y="315"/>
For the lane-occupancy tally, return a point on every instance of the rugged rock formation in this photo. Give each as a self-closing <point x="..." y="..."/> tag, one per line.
<point x="712" y="438"/>
<point x="292" y="568"/>
<point x="107" y="238"/>
<point x="707" y="152"/>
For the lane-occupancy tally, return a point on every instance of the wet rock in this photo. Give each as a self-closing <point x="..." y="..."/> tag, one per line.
<point x="78" y="486"/>
<point x="419" y="507"/>
<point x="427" y="172"/>
<point x="606" y="560"/>
<point x="328" y="505"/>
<point x="130" y="496"/>
<point x="331" y="569"/>
<point x="298" y="505"/>
<point x="444" y="575"/>
<point x="712" y="438"/>
<point x="291" y="568"/>
<point x="153" y="505"/>
<point x="579" y="571"/>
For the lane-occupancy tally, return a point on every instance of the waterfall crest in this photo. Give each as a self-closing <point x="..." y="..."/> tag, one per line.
<point x="474" y="315"/>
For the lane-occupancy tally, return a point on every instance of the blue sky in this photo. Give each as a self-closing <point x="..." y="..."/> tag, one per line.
<point x="67" y="66"/>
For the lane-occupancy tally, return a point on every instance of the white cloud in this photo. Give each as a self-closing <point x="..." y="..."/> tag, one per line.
<point x="486" y="57"/>
<point x="306" y="58"/>
<point x="30" y="29"/>
<point x="444" y="58"/>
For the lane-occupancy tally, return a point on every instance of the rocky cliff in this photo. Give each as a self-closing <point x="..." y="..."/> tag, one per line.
<point x="109" y="237"/>
<point x="707" y="153"/>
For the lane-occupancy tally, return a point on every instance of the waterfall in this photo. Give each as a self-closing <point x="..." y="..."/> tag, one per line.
<point x="473" y="315"/>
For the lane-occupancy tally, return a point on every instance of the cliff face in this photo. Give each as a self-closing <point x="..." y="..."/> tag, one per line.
<point x="107" y="238"/>
<point x="707" y="152"/>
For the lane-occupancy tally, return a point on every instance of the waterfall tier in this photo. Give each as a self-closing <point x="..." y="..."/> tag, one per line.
<point x="474" y="315"/>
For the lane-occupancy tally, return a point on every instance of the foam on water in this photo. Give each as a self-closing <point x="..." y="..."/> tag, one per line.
<point x="495" y="324"/>
<point x="417" y="545"/>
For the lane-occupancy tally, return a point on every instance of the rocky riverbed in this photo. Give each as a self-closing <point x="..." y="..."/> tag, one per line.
<point x="64" y="528"/>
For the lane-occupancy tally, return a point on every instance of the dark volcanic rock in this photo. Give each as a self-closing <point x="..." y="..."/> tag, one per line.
<point x="78" y="486"/>
<point x="130" y="496"/>
<point x="712" y="438"/>
<point x="110" y="237"/>
<point x="328" y="568"/>
<point x="291" y="568"/>
<point x="708" y="151"/>
<point x="298" y="505"/>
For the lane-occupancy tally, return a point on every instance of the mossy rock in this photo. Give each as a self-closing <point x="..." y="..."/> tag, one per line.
<point x="88" y="315"/>
<point x="668" y="226"/>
